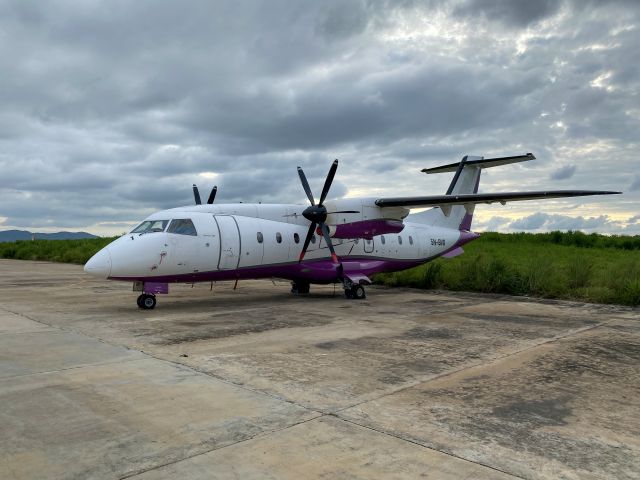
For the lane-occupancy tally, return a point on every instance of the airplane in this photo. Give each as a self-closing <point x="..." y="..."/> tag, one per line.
<point x="341" y="241"/>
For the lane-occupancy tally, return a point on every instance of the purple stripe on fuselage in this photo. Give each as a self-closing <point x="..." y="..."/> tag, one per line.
<point x="314" y="271"/>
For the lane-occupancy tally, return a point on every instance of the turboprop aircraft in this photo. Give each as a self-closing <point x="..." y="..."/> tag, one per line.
<point x="342" y="241"/>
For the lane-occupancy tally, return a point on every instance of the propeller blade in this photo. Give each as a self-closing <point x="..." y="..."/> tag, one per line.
<point x="343" y="211"/>
<point x="305" y="185"/>
<point x="212" y="195"/>
<point x="196" y="194"/>
<point x="328" y="181"/>
<point x="307" y="240"/>
<point x="327" y="239"/>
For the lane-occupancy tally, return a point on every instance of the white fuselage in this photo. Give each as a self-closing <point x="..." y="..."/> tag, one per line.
<point x="261" y="240"/>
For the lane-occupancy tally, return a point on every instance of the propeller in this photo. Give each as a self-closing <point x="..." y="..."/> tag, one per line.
<point x="212" y="195"/>
<point x="196" y="194"/>
<point x="317" y="213"/>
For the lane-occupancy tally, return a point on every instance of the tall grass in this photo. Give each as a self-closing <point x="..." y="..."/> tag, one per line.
<point x="67" y="251"/>
<point x="573" y="265"/>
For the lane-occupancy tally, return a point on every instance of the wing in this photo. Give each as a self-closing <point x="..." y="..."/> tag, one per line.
<point x="475" y="198"/>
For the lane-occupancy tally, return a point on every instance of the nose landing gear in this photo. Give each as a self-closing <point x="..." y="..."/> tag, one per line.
<point x="146" y="301"/>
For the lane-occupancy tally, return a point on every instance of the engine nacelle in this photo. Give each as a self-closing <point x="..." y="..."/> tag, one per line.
<point x="369" y="221"/>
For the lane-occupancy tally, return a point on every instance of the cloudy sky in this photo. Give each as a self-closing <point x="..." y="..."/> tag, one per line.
<point x="110" y="110"/>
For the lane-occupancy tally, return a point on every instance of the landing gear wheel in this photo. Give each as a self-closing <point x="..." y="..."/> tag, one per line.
<point x="299" y="288"/>
<point x="357" y="292"/>
<point x="146" y="301"/>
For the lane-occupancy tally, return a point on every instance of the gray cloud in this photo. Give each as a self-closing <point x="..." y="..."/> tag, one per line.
<point x="493" y="224"/>
<point x="562" y="173"/>
<point x="515" y="13"/>
<point x="111" y="110"/>
<point x="544" y="221"/>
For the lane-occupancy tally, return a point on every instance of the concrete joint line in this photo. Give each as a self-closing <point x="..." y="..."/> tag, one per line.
<point x="257" y="435"/>
<point x="409" y="440"/>
<point x="479" y="364"/>
<point x="75" y="367"/>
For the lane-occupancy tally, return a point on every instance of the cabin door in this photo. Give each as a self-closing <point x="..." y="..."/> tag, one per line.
<point x="229" y="242"/>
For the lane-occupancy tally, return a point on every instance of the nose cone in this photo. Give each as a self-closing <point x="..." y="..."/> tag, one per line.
<point x="100" y="264"/>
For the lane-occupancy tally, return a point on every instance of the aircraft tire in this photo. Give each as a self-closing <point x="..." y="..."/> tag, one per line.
<point x="148" y="302"/>
<point x="358" y="293"/>
<point x="139" y="300"/>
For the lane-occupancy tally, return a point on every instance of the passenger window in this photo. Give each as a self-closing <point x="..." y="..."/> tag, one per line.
<point x="382" y="239"/>
<point x="399" y="240"/>
<point x="149" y="226"/>
<point x="260" y="237"/>
<point x="182" y="226"/>
<point x="278" y="237"/>
<point x="410" y="240"/>
<point x="296" y="238"/>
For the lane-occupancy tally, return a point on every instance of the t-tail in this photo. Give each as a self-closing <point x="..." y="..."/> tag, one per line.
<point x="466" y="180"/>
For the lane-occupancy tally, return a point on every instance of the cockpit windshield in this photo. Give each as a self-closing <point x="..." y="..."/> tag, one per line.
<point x="182" y="226"/>
<point x="149" y="226"/>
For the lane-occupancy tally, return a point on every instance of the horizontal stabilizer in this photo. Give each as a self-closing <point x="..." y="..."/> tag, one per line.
<point x="475" y="198"/>
<point x="482" y="163"/>
<point x="454" y="253"/>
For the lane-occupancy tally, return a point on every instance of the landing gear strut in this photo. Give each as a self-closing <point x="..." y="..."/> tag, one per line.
<point x="146" y="301"/>
<point x="299" y="288"/>
<point x="353" y="291"/>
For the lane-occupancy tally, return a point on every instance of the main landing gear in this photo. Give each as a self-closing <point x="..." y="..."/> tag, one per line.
<point x="146" y="301"/>
<point x="353" y="291"/>
<point x="300" y="288"/>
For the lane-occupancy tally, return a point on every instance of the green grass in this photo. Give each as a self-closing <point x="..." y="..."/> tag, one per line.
<point x="591" y="268"/>
<point x="67" y="251"/>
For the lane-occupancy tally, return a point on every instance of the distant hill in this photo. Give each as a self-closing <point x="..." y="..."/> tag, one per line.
<point x="13" y="235"/>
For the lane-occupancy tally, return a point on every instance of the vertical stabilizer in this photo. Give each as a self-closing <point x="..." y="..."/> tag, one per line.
<point x="465" y="180"/>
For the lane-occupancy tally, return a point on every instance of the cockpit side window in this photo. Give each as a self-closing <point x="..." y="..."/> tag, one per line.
<point x="182" y="226"/>
<point x="149" y="226"/>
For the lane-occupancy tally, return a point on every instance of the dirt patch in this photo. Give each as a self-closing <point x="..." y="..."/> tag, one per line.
<point x="536" y="413"/>
<point x="218" y="327"/>
<point x="422" y="333"/>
